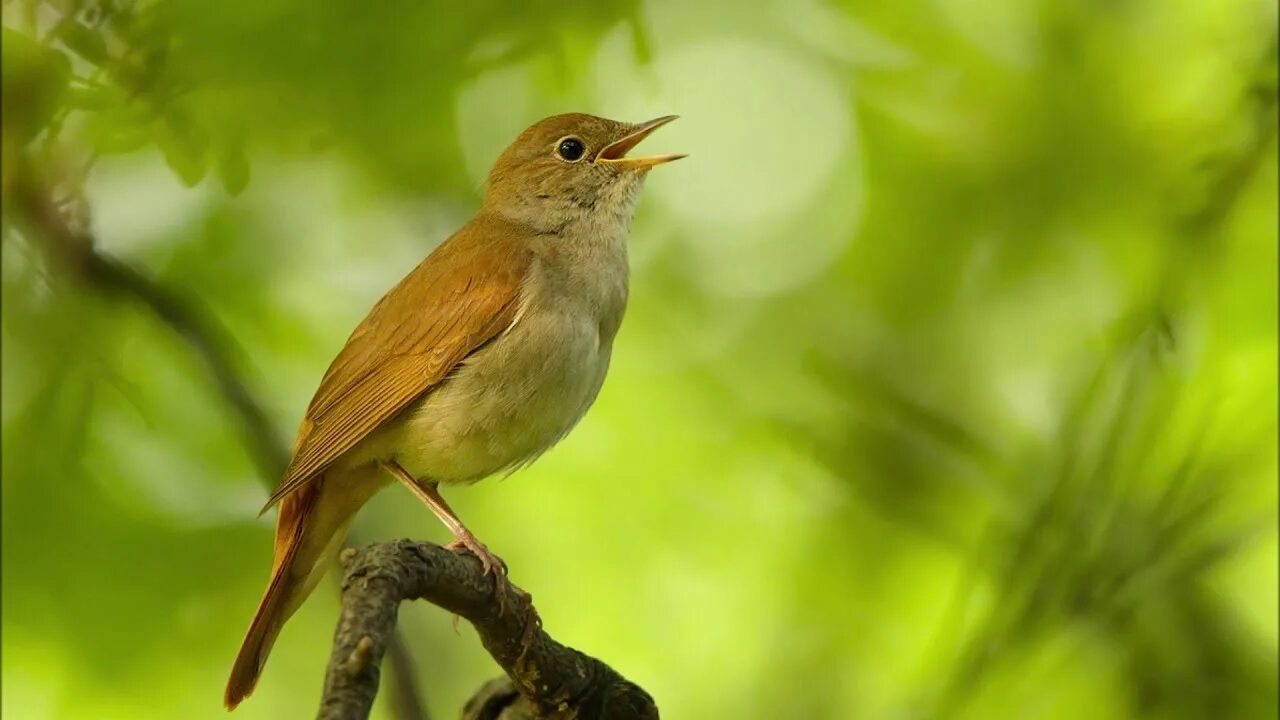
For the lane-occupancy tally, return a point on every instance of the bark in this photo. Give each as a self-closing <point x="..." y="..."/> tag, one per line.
<point x="544" y="679"/>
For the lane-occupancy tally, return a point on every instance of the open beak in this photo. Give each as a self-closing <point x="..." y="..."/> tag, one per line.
<point x="615" y="153"/>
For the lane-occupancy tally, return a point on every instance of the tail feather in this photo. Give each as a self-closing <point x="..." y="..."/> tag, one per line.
<point x="284" y="594"/>
<point x="257" y="644"/>
<point x="310" y="530"/>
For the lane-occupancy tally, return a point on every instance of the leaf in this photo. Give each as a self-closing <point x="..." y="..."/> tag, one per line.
<point x="91" y="98"/>
<point x="119" y="125"/>
<point x="117" y="140"/>
<point x="233" y="167"/>
<point x="34" y="82"/>
<point x="84" y="40"/>
<point x="184" y="147"/>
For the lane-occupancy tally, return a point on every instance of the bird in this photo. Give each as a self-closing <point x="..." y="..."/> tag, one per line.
<point x="479" y="360"/>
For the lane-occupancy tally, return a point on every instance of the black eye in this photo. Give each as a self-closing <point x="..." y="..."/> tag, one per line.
<point x="571" y="149"/>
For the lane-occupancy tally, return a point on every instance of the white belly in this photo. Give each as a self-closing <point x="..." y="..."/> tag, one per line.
<point x="508" y="403"/>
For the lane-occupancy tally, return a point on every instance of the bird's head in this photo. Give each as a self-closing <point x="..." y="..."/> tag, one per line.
<point x="572" y="167"/>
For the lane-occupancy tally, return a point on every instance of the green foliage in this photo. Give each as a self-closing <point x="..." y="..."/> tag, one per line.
<point x="947" y="388"/>
<point x="34" y="82"/>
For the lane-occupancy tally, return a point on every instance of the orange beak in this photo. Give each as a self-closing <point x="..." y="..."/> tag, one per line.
<point x="615" y="153"/>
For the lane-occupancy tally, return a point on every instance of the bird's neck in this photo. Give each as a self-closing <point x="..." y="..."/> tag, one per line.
<point x="595" y="210"/>
<point x="582" y="266"/>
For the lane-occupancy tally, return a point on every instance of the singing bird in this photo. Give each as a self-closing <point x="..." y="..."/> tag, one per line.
<point x="483" y="357"/>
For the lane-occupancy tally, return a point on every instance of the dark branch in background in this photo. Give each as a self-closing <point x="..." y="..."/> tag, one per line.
<point x="404" y="697"/>
<point x="545" y="680"/>
<point x="74" y="250"/>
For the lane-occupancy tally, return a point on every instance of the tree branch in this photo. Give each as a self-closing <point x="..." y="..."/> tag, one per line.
<point x="73" y="250"/>
<point x="545" y="680"/>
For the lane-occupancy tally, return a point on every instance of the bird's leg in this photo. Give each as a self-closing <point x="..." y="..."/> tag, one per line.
<point x="428" y="493"/>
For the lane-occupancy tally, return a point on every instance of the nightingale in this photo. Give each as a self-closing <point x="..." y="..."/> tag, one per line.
<point x="479" y="360"/>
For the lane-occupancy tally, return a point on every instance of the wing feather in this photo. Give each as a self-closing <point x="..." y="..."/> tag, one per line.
<point x="463" y="295"/>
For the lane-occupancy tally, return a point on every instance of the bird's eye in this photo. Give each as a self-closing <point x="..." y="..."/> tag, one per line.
<point x="571" y="149"/>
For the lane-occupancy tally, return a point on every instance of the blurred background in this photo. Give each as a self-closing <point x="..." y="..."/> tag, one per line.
<point x="948" y="387"/>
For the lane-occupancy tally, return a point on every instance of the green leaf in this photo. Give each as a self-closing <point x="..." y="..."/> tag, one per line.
<point x="184" y="147"/>
<point x="84" y="40"/>
<point x="34" y="82"/>
<point x="117" y="125"/>
<point x="91" y="98"/>
<point x="117" y="140"/>
<point x="233" y="167"/>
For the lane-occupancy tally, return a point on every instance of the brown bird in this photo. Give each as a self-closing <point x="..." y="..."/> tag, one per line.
<point x="478" y="361"/>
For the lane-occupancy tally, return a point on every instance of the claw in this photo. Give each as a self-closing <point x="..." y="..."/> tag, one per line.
<point x="492" y="564"/>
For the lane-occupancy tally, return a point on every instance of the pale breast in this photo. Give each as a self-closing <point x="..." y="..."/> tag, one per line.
<point x="516" y="397"/>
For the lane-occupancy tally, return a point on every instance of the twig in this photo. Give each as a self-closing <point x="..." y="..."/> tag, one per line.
<point x="185" y="315"/>
<point x="545" y="679"/>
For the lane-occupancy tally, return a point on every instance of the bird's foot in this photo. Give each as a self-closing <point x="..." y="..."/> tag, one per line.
<point x="491" y="563"/>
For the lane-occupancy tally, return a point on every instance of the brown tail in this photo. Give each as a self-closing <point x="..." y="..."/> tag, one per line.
<point x="304" y="539"/>
<point x="312" y="524"/>
<point x="257" y="642"/>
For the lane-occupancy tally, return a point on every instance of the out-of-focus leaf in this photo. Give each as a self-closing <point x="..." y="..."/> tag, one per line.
<point x="120" y="128"/>
<point x="184" y="147"/>
<point x="90" y="98"/>
<point x="122" y="140"/>
<point x="115" y="122"/>
<point x="83" y="40"/>
<point x="233" y="167"/>
<point x="34" y="83"/>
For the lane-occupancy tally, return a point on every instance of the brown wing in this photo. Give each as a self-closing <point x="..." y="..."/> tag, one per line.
<point x="464" y="294"/>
